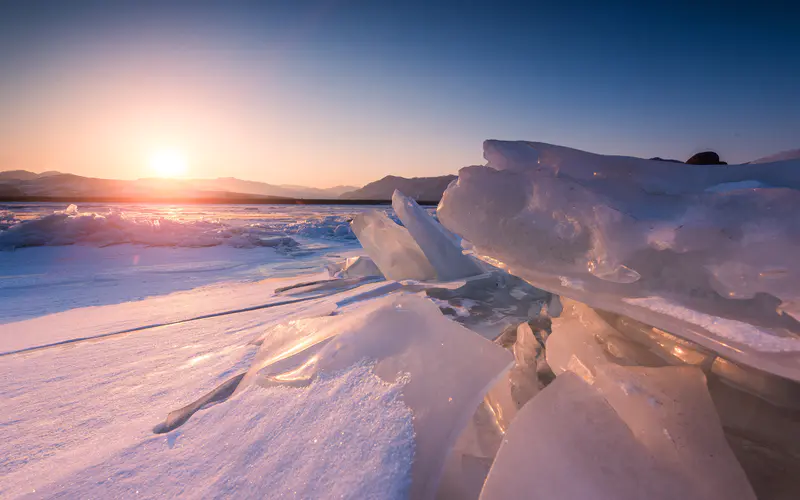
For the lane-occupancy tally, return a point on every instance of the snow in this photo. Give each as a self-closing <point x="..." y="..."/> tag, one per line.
<point x="447" y="368"/>
<point x="346" y="435"/>
<point x="35" y="281"/>
<point x="609" y="231"/>
<point x="83" y="412"/>
<point x="736" y="331"/>
<point x="440" y="247"/>
<point x="391" y="247"/>
<point x="71" y="408"/>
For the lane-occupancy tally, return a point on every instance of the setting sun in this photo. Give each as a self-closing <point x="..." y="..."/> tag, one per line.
<point x="168" y="163"/>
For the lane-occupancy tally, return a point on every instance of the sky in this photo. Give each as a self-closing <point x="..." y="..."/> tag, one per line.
<point x="329" y="92"/>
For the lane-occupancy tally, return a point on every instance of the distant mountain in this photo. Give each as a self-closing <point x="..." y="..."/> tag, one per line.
<point x="24" y="175"/>
<point x="792" y="154"/>
<point x="254" y="187"/>
<point x="15" y="183"/>
<point x="75" y="186"/>
<point x="419" y="188"/>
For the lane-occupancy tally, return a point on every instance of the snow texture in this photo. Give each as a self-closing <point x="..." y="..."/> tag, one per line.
<point x="610" y="230"/>
<point x="347" y="435"/>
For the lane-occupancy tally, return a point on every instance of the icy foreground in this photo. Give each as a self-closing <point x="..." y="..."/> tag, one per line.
<point x="417" y="372"/>
<point x="685" y="248"/>
<point x="323" y="409"/>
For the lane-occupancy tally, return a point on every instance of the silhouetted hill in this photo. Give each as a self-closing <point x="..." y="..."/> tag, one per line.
<point x="419" y="188"/>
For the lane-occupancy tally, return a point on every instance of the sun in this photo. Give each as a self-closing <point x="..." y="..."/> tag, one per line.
<point x="168" y="163"/>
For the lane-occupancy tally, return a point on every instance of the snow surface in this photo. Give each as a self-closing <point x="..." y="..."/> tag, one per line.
<point x="74" y="408"/>
<point x="347" y="435"/>
<point x="83" y="412"/>
<point x="89" y="259"/>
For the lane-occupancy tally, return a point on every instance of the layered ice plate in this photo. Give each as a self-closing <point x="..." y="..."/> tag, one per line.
<point x="659" y="242"/>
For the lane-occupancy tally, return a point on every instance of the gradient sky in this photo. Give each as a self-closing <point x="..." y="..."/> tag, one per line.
<point x="329" y="92"/>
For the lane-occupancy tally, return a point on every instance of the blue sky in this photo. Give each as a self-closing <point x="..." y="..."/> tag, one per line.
<point x="331" y="92"/>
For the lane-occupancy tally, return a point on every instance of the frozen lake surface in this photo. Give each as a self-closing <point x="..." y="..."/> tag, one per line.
<point x="107" y="254"/>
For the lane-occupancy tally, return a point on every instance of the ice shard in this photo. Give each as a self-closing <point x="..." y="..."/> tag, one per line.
<point x="568" y="443"/>
<point x="437" y="243"/>
<point x="391" y="247"/>
<point x="671" y="412"/>
<point x="635" y="433"/>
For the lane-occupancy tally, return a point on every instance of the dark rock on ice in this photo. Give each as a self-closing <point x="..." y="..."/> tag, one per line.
<point x="705" y="158"/>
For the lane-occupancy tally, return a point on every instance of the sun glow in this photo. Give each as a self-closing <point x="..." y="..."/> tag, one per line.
<point x="168" y="163"/>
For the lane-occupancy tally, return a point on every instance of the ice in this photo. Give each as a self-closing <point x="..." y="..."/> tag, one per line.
<point x="164" y="226"/>
<point x="69" y="227"/>
<point x="392" y="248"/>
<point x="489" y="303"/>
<point x="446" y="369"/>
<point x="777" y="391"/>
<point x="636" y="433"/>
<point x="440" y="247"/>
<point x="657" y="384"/>
<point x="338" y="400"/>
<point x="646" y="239"/>
<point x="670" y="411"/>
<point x="763" y="437"/>
<point x="573" y="345"/>
<point x="354" y="267"/>
<point x="569" y="443"/>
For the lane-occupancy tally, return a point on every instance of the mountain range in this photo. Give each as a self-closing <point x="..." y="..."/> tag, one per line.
<point x="25" y="185"/>
<point x="22" y="184"/>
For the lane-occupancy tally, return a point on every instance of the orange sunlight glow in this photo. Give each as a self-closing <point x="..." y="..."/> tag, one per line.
<point x="168" y="163"/>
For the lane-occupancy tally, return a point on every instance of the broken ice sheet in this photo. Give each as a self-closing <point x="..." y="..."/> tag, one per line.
<point x="670" y="411"/>
<point x="447" y="369"/>
<point x="354" y="267"/>
<point x="391" y="247"/>
<point x="490" y="302"/>
<point x="636" y="433"/>
<point x="581" y="340"/>
<point x="627" y="230"/>
<point x="437" y="243"/>
<point x="568" y="443"/>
